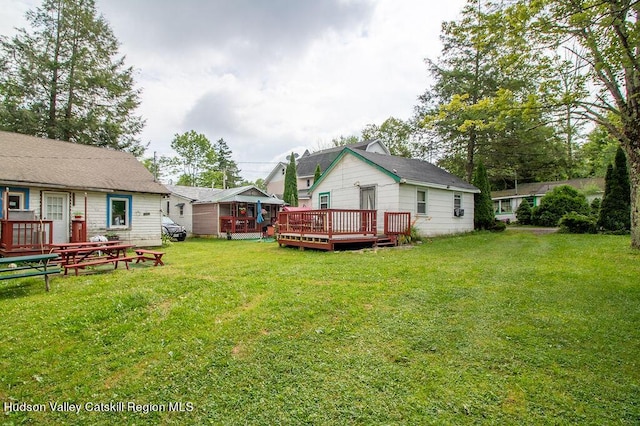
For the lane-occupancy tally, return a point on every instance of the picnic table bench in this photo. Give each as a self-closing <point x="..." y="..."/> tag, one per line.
<point x="90" y="254"/>
<point x="155" y="256"/>
<point x="28" y="266"/>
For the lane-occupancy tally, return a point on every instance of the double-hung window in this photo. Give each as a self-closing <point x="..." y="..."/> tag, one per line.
<point x="324" y="200"/>
<point x="421" y="207"/>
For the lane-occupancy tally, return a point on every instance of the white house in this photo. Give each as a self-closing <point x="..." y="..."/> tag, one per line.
<point x="507" y="201"/>
<point x="53" y="181"/>
<point x="439" y="202"/>
<point x="306" y="168"/>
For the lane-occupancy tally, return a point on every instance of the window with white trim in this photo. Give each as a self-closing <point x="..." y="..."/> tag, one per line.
<point x="118" y="211"/>
<point x="421" y="207"/>
<point x="324" y="200"/>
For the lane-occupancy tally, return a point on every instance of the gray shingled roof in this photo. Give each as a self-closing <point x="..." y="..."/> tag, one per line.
<point x="194" y="193"/>
<point x="306" y="165"/>
<point x="30" y="160"/>
<point x="416" y="171"/>
<point x="541" y="188"/>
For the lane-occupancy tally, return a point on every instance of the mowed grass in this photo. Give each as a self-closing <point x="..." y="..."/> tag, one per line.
<point x="508" y="328"/>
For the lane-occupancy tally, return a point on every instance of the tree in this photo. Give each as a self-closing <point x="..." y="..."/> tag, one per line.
<point x="227" y="169"/>
<point x="615" y="209"/>
<point x="195" y="158"/>
<point x="344" y="140"/>
<point x="394" y="133"/>
<point x="290" y="195"/>
<point x="484" y="217"/>
<point x="486" y="102"/>
<point x="597" y="153"/>
<point x="607" y="33"/>
<point x="65" y="80"/>
<point x="317" y="173"/>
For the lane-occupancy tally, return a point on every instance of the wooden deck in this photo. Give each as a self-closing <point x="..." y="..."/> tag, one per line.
<point x="332" y="229"/>
<point x="25" y="237"/>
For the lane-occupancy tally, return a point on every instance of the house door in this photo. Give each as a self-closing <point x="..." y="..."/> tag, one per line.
<point x="56" y="209"/>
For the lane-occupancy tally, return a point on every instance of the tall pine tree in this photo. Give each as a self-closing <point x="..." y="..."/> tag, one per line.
<point x="65" y="80"/>
<point x="484" y="217"/>
<point x="615" y="210"/>
<point x="290" y="195"/>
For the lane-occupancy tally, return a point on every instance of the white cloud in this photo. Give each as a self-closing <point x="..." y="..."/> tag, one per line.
<point x="270" y="76"/>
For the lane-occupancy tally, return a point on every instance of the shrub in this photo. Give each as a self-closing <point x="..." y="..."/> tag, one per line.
<point x="558" y="202"/>
<point x="575" y="223"/>
<point x="523" y="213"/>
<point x="498" y="226"/>
<point x="595" y="207"/>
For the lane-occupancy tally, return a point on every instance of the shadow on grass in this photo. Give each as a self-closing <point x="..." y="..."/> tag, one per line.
<point x="20" y="288"/>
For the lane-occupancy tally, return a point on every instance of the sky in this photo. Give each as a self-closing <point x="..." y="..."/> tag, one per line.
<point x="271" y="77"/>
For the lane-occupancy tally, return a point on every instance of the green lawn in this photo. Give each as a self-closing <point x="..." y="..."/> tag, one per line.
<point x="507" y="328"/>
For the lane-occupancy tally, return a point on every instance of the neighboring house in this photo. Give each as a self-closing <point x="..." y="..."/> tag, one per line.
<point x="306" y="168"/>
<point x="179" y="205"/>
<point x="439" y="202"/>
<point x="506" y="202"/>
<point x="233" y="213"/>
<point x="45" y="182"/>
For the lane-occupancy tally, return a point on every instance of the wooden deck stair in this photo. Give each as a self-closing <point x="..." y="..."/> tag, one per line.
<point x="386" y="241"/>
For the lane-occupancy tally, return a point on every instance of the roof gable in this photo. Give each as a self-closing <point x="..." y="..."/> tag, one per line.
<point x="30" y="160"/>
<point x="405" y="170"/>
<point x="249" y="193"/>
<point x="306" y="165"/>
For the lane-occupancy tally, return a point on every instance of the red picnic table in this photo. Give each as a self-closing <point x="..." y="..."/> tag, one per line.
<point x="80" y="255"/>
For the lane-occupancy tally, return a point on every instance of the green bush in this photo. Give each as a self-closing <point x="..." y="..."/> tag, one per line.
<point x="498" y="226"/>
<point x="523" y="213"/>
<point x="595" y="207"/>
<point x="558" y="202"/>
<point x="575" y="223"/>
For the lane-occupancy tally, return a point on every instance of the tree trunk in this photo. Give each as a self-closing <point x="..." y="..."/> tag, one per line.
<point x="634" y="176"/>
<point x="53" y="90"/>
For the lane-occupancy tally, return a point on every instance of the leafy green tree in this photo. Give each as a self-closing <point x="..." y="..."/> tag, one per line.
<point x="615" y="209"/>
<point x="394" y="133"/>
<point x="484" y="216"/>
<point x="290" y="195"/>
<point x="597" y="153"/>
<point x="344" y="140"/>
<point x="523" y="213"/>
<point x="485" y="103"/>
<point x="605" y="35"/>
<point x="195" y="157"/>
<point x="64" y="80"/>
<point x="559" y="201"/>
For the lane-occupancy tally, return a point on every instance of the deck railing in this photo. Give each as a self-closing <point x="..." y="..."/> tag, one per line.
<point x="329" y="222"/>
<point x="237" y="224"/>
<point x="397" y="223"/>
<point x="25" y="234"/>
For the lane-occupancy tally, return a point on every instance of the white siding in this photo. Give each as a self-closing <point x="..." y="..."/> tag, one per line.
<point x="345" y="179"/>
<point x="145" y="227"/>
<point x="186" y="218"/>
<point x="276" y="185"/>
<point x="344" y="182"/>
<point x="439" y="219"/>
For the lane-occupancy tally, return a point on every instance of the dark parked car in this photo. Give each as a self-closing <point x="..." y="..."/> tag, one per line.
<point x="173" y="230"/>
